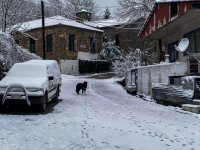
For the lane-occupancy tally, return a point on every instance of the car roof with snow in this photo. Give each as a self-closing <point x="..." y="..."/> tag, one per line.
<point x="27" y="69"/>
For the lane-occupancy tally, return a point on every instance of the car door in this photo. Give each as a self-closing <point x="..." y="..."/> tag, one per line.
<point x="52" y="84"/>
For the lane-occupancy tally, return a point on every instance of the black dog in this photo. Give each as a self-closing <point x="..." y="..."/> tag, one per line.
<point x="81" y="86"/>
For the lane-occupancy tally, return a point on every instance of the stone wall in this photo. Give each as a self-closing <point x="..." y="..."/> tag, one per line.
<point x="60" y="41"/>
<point x="128" y="39"/>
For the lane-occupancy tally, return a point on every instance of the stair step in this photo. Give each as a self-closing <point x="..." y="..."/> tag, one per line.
<point x="191" y="108"/>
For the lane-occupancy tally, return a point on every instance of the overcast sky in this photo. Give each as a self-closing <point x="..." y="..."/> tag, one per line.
<point x="105" y="3"/>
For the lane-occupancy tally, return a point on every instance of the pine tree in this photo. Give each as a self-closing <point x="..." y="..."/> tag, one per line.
<point x="107" y="14"/>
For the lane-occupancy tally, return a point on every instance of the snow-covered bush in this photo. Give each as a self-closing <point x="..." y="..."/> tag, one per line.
<point x="121" y="66"/>
<point x="110" y="52"/>
<point x="11" y="53"/>
<point x="121" y="61"/>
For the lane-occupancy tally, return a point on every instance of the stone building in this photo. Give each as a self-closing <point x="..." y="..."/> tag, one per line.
<point x="123" y="32"/>
<point x="67" y="41"/>
<point x="83" y="15"/>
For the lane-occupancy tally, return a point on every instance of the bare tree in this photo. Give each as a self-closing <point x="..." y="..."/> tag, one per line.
<point x="134" y="9"/>
<point x="78" y="5"/>
<point x="14" y="11"/>
<point x="68" y="8"/>
<point x="55" y="7"/>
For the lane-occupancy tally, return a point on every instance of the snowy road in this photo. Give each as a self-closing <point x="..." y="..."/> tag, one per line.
<point x="106" y="118"/>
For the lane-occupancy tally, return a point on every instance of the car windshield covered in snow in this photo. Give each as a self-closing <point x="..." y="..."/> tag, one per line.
<point x="27" y="70"/>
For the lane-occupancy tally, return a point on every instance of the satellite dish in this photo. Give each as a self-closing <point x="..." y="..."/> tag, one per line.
<point x="183" y="45"/>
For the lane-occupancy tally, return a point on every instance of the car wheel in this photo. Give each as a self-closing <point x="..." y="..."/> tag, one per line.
<point x="43" y="105"/>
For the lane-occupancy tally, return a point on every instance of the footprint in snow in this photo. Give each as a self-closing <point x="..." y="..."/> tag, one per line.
<point x="106" y="143"/>
<point x="183" y="145"/>
<point x="29" y="119"/>
<point x="117" y="147"/>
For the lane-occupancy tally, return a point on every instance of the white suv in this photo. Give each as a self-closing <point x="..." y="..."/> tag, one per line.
<point x="34" y="82"/>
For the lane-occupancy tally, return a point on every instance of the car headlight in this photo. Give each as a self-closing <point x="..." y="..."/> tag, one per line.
<point x="3" y="89"/>
<point x="34" y="90"/>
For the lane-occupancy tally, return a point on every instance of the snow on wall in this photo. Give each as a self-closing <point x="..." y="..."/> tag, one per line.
<point x="149" y="75"/>
<point x="87" y="56"/>
<point x="69" y="67"/>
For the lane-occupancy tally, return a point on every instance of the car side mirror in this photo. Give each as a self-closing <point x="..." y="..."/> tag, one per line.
<point x="51" y="78"/>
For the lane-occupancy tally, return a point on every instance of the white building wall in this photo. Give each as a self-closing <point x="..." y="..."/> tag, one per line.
<point x="149" y="75"/>
<point x="69" y="67"/>
<point x="87" y="56"/>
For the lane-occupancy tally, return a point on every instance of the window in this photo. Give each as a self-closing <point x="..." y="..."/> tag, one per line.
<point x="193" y="65"/>
<point x="173" y="9"/>
<point x="197" y="41"/>
<point x="71" y="42"/>
<point x="173" y="54"/>
<point x="175" y="80"/>
<point x="196" y="6"/>
<point x="93" y="45"/>
<point x="49" y="40"/>
<point x="117" y="39"/>
<point x="32" y="45"/>
<point x="194" y="38"/>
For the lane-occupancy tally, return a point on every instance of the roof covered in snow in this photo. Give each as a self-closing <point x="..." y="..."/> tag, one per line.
<point x="53" y="21"/>
<point x="106" y="23"/>
<point x="83" y="10"/>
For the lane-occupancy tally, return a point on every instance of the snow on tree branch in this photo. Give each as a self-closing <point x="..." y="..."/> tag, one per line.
<point x="134" y="9"/>
<point x="13" y="12"/>
<point x="11" y="53"/>
<point x="121" y="61"/>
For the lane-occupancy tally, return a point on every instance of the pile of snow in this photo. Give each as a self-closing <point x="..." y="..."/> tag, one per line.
<point x="11" y="53"/>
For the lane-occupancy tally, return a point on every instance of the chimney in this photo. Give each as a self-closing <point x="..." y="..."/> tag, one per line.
<point x="83" y="15"/>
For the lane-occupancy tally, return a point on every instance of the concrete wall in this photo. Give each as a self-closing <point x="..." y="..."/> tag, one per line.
<point x="87" y="56"/>
<point x="69" y="67"/>
<point x="149" y="75"/>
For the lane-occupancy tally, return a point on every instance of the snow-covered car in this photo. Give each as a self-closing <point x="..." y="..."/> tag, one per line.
<point x="34" y="83"/>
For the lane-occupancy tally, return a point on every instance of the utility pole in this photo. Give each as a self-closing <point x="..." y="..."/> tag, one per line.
<point x="43" y="30"/>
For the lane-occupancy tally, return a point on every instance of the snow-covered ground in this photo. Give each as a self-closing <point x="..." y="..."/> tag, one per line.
<point x="106" y="118"/>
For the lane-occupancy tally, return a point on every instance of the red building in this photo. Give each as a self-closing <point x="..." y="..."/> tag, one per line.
<point x="169" y="22"/>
